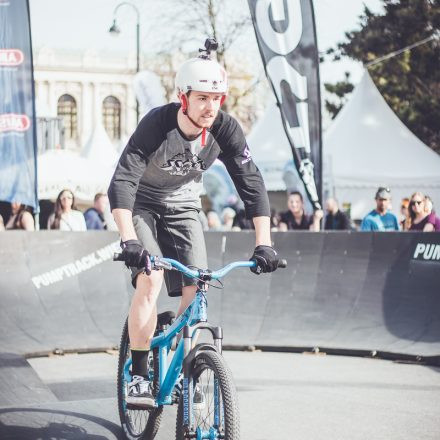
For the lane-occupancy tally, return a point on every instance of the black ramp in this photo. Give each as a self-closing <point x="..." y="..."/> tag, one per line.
<point x="291" y="313"/>
<point x="45" y="309"/>
<point x="411" y="300"/>
<point x="367" y="291"/>
<point x="246" y="295"/>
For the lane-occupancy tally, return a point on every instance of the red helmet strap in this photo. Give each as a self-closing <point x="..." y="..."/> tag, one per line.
<point x="184" y="103"/>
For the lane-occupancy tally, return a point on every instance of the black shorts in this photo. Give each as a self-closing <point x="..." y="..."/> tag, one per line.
<point x="173" y="232"/>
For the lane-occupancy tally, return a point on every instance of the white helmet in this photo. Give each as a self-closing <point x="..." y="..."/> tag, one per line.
<point x="202" y="75"/>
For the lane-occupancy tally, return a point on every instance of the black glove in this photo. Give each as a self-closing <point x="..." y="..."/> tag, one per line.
<point x="266" y="259"/>
<point x="135" y="255"/>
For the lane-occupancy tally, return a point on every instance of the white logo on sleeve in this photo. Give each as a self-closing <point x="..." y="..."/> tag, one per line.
<point x="247" y="155"/>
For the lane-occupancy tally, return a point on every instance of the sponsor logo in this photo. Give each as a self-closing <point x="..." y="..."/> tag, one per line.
<point x="247" y="155"/>
<point x="181" y="164"/>
<point x="427" y="252"/>
<point x="282" y="42"/>
<point x="185" y="402"/>
<point x="11" y="57"/>
<point x="14" y="122"/>
<point x="76" y="267"/>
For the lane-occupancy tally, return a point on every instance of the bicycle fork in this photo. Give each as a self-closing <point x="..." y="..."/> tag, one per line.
<point x="190" y="354"/>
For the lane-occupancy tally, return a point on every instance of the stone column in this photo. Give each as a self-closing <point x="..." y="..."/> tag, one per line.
<point x="86" y="112"/>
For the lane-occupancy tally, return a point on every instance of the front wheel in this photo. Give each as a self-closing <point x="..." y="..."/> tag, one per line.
<point x="215" y="405"/>
<point x="137" y="423"/>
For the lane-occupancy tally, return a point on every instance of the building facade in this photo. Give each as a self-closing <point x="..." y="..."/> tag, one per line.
<point x="82" y="90"/>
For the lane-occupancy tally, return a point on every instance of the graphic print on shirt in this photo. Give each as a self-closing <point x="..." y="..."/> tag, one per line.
<point x="182" y="163"/>
<point x="247" y="155"/>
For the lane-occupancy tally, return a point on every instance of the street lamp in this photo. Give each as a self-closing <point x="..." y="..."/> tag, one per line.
<point x="114" y="30"/>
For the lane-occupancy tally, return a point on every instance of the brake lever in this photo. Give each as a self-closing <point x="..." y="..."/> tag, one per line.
<point x="158" y="263"/>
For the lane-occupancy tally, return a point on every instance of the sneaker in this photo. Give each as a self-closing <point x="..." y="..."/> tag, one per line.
<point x="139" y="393"/>
<point x="198" y="398"/>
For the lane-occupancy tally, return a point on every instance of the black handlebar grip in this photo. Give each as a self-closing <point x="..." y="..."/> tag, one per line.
<point x="282" y="264"/>
<point x="118" y="257"/>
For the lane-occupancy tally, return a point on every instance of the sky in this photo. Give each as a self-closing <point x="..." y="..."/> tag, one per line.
<point x="84" y="24"/>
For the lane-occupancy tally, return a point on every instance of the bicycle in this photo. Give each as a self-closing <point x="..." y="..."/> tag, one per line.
<point x="206" y="398"/>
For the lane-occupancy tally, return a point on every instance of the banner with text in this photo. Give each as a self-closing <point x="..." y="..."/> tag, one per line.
<point x="18" y="147"/>
<point x="285" y="31"/>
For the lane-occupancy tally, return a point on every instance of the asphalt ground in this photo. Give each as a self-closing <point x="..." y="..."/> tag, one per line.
<point x="282" y="396"/>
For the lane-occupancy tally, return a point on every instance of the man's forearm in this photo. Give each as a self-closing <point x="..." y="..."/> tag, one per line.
<point x="124" y="222"/>
<point x="262" y="231"/>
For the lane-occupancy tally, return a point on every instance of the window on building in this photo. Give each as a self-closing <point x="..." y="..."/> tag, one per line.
<point x="67" y="109"/>
<point x="111" y="117"/>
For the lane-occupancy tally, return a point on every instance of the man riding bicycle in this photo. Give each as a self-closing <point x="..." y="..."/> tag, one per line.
<point x="155" y="198"/>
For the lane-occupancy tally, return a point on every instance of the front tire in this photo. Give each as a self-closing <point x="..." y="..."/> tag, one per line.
<point x="210" y="369"/>
<point x="137" y="424"/>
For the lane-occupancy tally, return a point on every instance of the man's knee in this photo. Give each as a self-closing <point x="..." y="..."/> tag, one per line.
<point x="149" y="285"/>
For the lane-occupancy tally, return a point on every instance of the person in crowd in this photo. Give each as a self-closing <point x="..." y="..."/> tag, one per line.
<point x="95" y="216"/>
<point x="20" y="218"/>
<point x="296" y="218"/>
<point x="241" y="222"/>
<point x="214" y="222"/>
<point x="65" y="216"/>
<point x="335" y="220"/>
<point x="405" y="220"/>
<point x="227" y="217"/>
<point x="420" y="219"/>
<point x="274" y="220"/>
<point x="434" y="219"/>
<point x="380" y="219"/>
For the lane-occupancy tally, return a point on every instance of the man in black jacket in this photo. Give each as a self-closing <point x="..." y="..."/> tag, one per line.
<point x="335" y="220"/>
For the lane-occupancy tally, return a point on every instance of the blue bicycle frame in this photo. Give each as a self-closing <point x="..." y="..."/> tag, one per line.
<point x="194" y="316"/>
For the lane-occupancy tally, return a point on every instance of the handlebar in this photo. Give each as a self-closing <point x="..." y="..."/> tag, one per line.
<point x="170" y="264"/>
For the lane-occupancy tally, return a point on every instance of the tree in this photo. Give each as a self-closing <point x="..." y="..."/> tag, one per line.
<point x="409" y="81"/>
<point x="340" y="89"/>
<point x="189" y="23"/>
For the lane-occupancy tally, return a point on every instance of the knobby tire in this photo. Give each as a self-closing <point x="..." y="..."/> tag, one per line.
<point x="212" y="363"/>
<point x="137" y="424"/>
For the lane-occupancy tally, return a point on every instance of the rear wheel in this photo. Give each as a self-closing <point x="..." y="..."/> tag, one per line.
<point x="215" y="405"/>
<point x="137" y="423"/>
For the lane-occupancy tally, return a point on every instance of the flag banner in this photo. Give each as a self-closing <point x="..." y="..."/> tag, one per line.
<point x="285" y="31"/>
<point x="18" y="148"/>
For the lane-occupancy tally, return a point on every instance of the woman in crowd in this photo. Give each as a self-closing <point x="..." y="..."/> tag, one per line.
<point x="296" y="218"/>
<point x="405" y="219"/>
<point x="65" y="216"/>
<point x="20" y="218"/>
<point x="429" y="208"/>
<point x="420" y="219"/>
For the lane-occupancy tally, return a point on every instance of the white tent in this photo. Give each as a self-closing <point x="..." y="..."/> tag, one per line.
<point x="85" y="174"/>
<point x="367" y="146"/>
<point x="99" y="149"/>
<point x="61" y="169"/>
<point x="269" y="148"/>
<point x="272" y="153"/>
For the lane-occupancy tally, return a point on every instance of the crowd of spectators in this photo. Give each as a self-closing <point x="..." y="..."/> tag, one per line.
<point x="416" y="214"/>
<point x="65" y="215"/>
